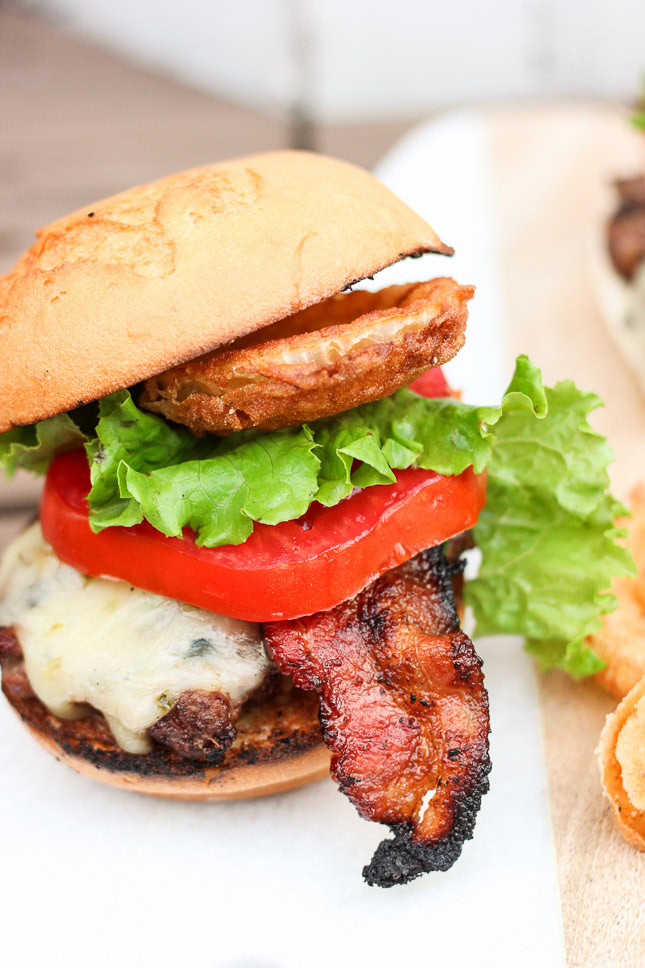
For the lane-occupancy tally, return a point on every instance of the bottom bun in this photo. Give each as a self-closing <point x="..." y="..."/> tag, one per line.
<point x="278" y="746"/>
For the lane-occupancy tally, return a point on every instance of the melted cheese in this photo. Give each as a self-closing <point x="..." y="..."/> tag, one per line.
<point x="127" y="652"/>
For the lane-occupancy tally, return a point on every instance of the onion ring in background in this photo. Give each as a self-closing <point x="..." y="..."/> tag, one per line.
<point x="620" y="643"/>
<point x="621" y="755"/>
<point x="347" y="350"/>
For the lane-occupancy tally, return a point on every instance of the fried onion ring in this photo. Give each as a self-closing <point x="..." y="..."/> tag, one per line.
<point x="620" y="643"/>
<point x="347" y="350"/>
<point x="621" y="755"/>
<point x="403" y="710"/>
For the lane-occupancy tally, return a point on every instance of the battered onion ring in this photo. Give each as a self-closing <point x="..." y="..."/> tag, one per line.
<point x="621" y="641"/>
<point x="347" y="350"/>
<point x="621" y="754"/>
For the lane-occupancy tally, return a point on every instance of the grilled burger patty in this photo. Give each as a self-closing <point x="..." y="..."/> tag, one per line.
<point x="402" y="701"/>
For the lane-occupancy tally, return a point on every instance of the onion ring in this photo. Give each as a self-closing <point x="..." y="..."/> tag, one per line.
<point x="621" y="755"/>
<point x="620" y="643"/>
<point x="347" y="350"/>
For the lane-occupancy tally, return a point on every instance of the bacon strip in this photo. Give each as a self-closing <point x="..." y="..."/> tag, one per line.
<point x="403" y="709"/>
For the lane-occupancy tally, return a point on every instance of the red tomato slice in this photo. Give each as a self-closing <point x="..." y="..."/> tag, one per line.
<point x="432" y="383"/>
<point x="281" y="571"/>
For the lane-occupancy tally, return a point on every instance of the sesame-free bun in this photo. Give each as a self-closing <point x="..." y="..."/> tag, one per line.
<point x="127" y="287"/>
<point x="279" y="745"/>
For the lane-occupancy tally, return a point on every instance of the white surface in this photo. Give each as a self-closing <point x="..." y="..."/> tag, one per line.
<point x="93" y="876"/>
<point x="371" y="59"/>
<point x="441" y="170"/>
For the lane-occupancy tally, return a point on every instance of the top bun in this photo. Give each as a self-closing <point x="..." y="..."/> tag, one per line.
<point x="129" y="286"/>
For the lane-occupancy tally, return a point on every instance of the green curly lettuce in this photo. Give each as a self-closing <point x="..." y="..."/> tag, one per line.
<point x="142" y="468"/>
<point x="34" y="447"/>
<point x="547" y="533"/>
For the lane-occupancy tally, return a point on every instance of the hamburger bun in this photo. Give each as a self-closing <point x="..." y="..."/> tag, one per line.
<point x="279" y="745"/>
<point x="130" y="286"/>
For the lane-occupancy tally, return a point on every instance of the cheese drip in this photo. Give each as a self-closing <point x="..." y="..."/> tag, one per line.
<point x="127" y="652"/>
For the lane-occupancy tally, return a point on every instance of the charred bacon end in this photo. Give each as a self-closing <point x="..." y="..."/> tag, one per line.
<point x="403" y="709"/>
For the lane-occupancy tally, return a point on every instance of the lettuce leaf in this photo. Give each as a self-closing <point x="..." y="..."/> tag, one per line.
<point x="548" y="541"/>
<point x="547" y="533"/>
<point x="141" y="467"/>
<point x="129" y="436"/>
<point x="395" y="433"/>
<point x="34" y="447"/>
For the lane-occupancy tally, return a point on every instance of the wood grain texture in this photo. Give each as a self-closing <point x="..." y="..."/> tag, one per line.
<point x="602" y="886"/>
<point x="80" y="123"/>
<point x="551" y="167"/>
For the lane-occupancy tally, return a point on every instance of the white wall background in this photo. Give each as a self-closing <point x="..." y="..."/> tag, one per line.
<point x="377" y="59"/>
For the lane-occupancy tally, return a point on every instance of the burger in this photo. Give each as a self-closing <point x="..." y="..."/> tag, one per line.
<point x="247" y="568"/>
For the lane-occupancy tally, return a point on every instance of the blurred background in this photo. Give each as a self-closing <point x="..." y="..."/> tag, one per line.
<point x="96" y="95"/>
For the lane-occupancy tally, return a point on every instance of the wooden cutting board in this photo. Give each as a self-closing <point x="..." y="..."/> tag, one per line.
<point x="552" y="170"/>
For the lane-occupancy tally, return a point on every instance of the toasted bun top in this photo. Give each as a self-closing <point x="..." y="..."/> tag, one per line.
<point x="129" y="286"/>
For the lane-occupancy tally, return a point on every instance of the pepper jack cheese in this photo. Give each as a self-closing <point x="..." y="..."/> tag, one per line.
<point x="128" y="653"/>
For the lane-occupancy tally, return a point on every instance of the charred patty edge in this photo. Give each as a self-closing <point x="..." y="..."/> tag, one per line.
<point x="270" y="730"/>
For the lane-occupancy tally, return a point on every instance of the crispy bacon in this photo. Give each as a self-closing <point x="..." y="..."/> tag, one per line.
<point x="403" y="709"/>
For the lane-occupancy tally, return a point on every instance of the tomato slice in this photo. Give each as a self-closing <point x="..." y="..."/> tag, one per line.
<point x="433" y="383"/>
<point x="281" y="571"/>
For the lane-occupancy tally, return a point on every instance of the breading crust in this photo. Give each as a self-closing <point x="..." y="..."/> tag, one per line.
<point x="347" y="350"/>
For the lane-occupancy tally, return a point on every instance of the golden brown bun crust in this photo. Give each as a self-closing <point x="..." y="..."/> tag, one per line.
<point x="134" y="284"/>
<point x="279" y="746"/>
